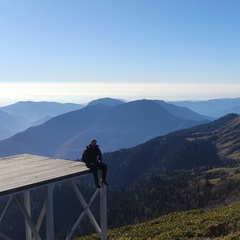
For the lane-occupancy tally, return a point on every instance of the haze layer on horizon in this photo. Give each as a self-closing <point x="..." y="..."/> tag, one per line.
<point x="82" y="93"/>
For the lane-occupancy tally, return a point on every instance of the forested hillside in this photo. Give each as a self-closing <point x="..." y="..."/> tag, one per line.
<point x="173" y="172"/>
<point x="177" y="172"/>
<point x="212" y="144"/>
<point x="185" y="170"/>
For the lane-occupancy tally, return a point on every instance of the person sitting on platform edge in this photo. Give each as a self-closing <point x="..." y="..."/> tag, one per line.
<point x="92" y="157"/>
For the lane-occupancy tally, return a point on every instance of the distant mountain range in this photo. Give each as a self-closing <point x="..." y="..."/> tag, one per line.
<point x="215" y="107"/>
<point x="113" y="122"/>
<point x="11" y="124"/>
<point x="116" y="124"/>
<point x="22" y="115"/>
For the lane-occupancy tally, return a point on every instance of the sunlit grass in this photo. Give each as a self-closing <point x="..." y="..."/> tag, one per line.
<point x="221" y="223"/>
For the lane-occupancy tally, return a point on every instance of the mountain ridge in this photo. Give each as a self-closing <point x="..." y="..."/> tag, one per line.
<point x="116" y="127"/>
<point x="28" y="114"/>
<point x="36" y="113"/>
<point x="199" y="145"/>
<point x="215" y="108"/>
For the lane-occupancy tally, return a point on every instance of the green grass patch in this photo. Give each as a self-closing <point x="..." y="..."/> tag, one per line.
<point x="220" y="223"/>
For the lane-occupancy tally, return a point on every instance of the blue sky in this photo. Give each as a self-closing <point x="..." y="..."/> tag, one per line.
<point x="79" y="50"/>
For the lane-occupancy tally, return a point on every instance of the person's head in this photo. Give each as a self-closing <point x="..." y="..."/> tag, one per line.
<point x="93" y="142"/>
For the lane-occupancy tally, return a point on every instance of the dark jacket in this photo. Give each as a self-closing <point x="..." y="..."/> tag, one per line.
<point x="91" y="155"/>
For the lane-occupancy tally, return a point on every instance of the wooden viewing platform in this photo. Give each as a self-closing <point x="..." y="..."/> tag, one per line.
<point x="22" y="173"/>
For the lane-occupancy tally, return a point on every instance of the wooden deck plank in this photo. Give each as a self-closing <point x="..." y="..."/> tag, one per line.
<point x="41" y="174"/>
<point x="40" y="165"/>
<point x="24" y="171"/>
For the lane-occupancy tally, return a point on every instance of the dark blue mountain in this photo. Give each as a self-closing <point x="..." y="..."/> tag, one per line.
<point x="10" y="124"/>
<point x="33" y="111"/>
<point x="214" y="107"/>
<point x="18" y="117"/>
<point x="110" y="102"/>
<point x="121" y="126"/>
<point x="183" y="112"/>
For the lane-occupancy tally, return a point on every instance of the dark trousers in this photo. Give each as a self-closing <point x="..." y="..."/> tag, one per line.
<point x="98" y="166"/>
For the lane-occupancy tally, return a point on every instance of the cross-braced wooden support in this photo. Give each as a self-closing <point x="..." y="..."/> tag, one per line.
<point x="32" y="229"/>
<point x="20" y="174"/>
<point x="102" y="231"/>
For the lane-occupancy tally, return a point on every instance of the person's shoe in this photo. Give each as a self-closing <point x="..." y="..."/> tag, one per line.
<point x="97" y="185"/>
<point x="104" y="182"/>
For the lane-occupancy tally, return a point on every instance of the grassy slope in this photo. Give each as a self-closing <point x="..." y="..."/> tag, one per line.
<point x="220" y="223"/>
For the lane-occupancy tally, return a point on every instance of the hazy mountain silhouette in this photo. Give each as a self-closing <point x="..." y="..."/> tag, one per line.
<point x="214" y="107"/>
<point x="110" y="102"/>
<point x="25" y="114"/>
<point x="34" y="111"/>
<point x="222" y="112"/>
<point x="121" y="126"/>
<point x="183" y="112"/>
<point x="22" y="115"/>
<point x="10" y="124"/>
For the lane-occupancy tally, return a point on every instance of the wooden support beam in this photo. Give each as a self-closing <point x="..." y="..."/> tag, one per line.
<point x="4" y="237"/>
<point x="49" y="212"/>
<point x="84" y="211"/>
<point x="27" y="218"/>
<point x="103" y="211"/>
<point x="27" y="204"/>
<point x="25" y="172"/>
<point x="41" y="216"/>
<point x="5" y="209"/>
<point x="86" y="207"/>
